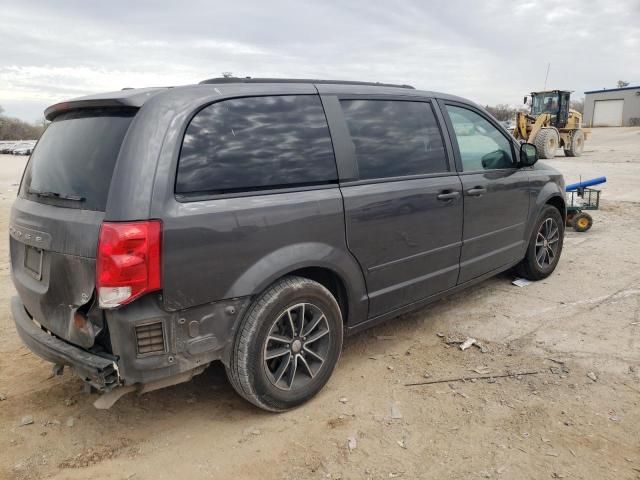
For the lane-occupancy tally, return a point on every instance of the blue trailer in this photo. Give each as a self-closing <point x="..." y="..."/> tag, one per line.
<point x="579" y="198"/>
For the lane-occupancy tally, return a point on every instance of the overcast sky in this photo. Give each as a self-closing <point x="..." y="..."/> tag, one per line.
<point x="491" y="51"/>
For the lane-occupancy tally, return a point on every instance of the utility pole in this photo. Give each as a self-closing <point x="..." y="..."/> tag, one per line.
<point x="546" y="77"/>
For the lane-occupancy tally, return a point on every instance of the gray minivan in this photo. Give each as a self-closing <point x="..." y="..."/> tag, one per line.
<point x="257" y="221"/>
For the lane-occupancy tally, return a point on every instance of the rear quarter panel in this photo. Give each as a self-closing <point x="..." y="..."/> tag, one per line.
<point x="234" y="247"/>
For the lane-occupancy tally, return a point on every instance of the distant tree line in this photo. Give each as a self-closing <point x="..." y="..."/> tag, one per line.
<point x="15" y="129"/>
<point x="504" y="112"/>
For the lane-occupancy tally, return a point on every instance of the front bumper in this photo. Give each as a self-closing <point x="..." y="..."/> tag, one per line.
<point x="99" y="372"/>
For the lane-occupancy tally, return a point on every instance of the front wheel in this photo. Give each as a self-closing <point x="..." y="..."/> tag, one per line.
<point x="545" y="245"/>
<point x="287" y="345"/>
<point x="546" y="142"/>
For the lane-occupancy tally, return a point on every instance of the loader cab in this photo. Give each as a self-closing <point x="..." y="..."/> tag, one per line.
<point x="555" y="103"/>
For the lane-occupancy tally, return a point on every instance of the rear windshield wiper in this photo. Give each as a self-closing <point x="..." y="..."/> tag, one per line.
<point x="62" y="196"/>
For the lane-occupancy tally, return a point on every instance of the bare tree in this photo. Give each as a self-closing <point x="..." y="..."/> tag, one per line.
<point x="15" y="129"/>
<point x="502" y="112"/>
<point x="622" y="84"/>
<point x="577" y="105"/>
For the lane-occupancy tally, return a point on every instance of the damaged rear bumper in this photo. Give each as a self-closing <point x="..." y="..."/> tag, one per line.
<point x="99" y="372"/>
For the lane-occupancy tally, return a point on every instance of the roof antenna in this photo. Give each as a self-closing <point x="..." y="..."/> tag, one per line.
<point x="546" y="77"/>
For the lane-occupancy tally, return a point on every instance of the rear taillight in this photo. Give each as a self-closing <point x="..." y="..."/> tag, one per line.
<point x="128" y="261"/>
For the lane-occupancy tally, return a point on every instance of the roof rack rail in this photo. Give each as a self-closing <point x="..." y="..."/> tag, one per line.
<point x="297" y="80"/>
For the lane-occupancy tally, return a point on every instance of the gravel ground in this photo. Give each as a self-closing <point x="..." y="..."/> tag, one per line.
<point x="576" y="418"/>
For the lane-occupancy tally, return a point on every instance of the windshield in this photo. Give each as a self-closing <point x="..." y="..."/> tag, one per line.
<point x="73" y="162"/>
<point x="544" y="103"/>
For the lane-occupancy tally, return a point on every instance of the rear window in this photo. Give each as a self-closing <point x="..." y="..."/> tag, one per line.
<point x="74" y="160"/>
<point x="256" y="143"/>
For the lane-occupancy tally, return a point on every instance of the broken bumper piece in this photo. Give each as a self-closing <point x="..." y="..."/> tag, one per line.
<point x="99" y="372"/>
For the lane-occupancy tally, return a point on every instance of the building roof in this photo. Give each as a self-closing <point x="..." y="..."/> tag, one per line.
<point x="613" y="89"/>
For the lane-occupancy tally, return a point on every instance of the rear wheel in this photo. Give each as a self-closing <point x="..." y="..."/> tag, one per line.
<point x="546" y="142"/>
<point x="287" y="345"/>
<point x="545" y="245"/>
<point x="582" y="222"/>
<point x="576" y="144"/>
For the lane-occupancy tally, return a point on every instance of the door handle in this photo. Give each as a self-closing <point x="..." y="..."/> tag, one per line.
<point x="446" y="195"/>
<point x="476" y="191"/>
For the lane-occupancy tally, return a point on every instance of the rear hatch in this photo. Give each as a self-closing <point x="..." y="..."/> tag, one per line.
<point x="55" y="221"/>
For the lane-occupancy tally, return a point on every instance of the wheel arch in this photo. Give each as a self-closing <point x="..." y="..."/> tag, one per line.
<point x="550" y="194"/>
<point x="558" y="202"/>
<point x="336" y="270"/>
<point x="331" y="281"/>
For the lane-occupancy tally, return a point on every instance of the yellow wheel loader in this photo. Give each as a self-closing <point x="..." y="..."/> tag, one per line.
<point x="551" y="124"/>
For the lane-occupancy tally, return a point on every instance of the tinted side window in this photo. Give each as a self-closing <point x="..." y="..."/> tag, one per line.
<point x="482" y="146"/>
<point x="256" y="143"/>
<point x="394" y="138"/>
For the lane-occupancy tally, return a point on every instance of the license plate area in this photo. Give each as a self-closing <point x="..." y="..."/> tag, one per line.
<point x="33" y="261"/>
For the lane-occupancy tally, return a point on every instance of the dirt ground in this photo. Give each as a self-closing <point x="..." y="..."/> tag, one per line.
<point x="577" y="418"/>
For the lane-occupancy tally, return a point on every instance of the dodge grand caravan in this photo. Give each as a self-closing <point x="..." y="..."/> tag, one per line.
<point x="257" y="221"/>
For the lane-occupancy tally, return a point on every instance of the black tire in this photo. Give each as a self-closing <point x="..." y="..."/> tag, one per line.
<point x="530" y="267"/>
<point x="546" y="142"/>
<point x="582" y="222"/>
<point x="577" y="144"/>
<point x="569" y="220"/>
<point x="249" y="370"/>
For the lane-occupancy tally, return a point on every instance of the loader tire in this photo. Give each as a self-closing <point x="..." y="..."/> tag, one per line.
<point x="546" y="142"/>
<point x="577" y="144"/>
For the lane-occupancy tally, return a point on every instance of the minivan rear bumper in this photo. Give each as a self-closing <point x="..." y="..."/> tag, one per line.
<point x="99" y="372"/>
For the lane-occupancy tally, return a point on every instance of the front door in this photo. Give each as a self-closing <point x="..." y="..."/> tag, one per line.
<point x="563" y="114"/>
<point x="496" y="196"/>
<point x="403" y="209"/>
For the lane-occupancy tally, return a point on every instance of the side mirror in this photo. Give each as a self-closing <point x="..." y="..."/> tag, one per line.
<point x="525" y="100"/>
<point x="528" y="154"/>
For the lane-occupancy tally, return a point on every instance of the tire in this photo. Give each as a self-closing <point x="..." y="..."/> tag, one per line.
<point x="546" y="142"/>
<point x="569" y="221"/>
<point x="531" y="267"/>
<point x="582" y="222"/>
<point x="269" y="328"/>
<point x="577" y="144"/>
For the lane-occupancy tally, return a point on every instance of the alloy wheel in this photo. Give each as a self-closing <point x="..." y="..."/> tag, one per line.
<point x="547" y="243"/>
<point x="297" y="346"/>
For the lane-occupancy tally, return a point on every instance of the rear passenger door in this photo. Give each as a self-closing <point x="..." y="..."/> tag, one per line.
<point x="496" y="194"/>
<point x="402" y="197"/>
